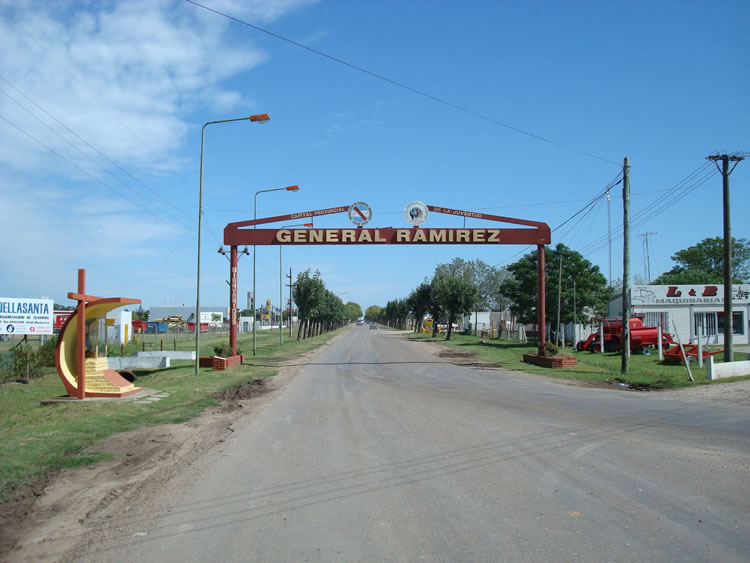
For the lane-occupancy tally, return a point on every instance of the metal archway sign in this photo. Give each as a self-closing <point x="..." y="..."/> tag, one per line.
<point x="247" y="233"/>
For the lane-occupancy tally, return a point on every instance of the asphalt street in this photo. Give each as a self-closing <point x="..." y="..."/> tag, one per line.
<point x="378" y="450"/>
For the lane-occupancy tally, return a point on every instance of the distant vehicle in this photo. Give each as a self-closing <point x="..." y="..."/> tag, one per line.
<point x="373" y="325"/>
<point x="360" y="322"/>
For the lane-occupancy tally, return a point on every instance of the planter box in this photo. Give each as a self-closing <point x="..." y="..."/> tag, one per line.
<point x="550" y="361"/>
<point x="226" y="363"/>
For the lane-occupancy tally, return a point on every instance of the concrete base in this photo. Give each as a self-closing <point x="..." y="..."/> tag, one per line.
<point x="171" y="354"/>
<point x="137" y="362"/>
<point x="732" y="369"/>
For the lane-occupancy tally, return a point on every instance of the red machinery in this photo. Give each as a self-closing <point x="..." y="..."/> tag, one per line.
<point x="642" y="338"/>
<point x="675" y="356"/>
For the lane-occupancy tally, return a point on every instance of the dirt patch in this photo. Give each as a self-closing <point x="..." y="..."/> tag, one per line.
<point x="232" y="396"/>
<point x="60" y="513"/>
<point x="454" y="353"/>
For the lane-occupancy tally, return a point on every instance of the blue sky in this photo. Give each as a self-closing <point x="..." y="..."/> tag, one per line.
<point x="102" y="104"/>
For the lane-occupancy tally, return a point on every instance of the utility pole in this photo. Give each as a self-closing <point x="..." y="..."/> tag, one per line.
<point x="289" y="316"/>
<point x="728" y="320"/>
<point x="625" y="365"/>
<point x="647" y="264"/>
<point x="575" y="317"/>
<point x="609" y="232"/>
<point x="559" y="293"/>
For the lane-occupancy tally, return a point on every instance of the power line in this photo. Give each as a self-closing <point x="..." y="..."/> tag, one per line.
<point x="78" y="82"/>
<point x="97" y="151"/>
<point x="616" y="180"/>
<point x="401" y="84"/>
<point x="684" y="187"/>
<point x="125" y="184"/>
<point x="87" y="173"/>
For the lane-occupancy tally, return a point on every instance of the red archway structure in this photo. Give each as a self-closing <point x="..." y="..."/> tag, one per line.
<point x="246" y="233"/>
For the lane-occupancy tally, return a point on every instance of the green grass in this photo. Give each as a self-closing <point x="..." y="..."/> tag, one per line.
<point x="645" y="371"/>
<point x="35" y="438"/>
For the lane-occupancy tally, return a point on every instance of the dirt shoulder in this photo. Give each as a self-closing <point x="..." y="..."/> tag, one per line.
<point x="47" y="519"/>
<point x="730" y="393"/>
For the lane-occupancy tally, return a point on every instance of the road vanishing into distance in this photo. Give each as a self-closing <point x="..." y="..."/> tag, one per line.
<point x="379" y="450"/>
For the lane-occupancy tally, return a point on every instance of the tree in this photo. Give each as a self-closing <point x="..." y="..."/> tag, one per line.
<point x="434" y="308"/>
<point x="419" y="301"/>
<point x="457" y="295"/>
<point x="486" y="278"/>
<point x="308" y="295"/>
<point x="372" y="313"/>
<point x="704" y="263"/>
<point x="591" y="291"/>
<point x="353" y="311"/>
<point x="140" y="314"/>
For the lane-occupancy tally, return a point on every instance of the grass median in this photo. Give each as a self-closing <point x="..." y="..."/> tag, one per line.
<point x="36" y="438"/>
<point x="646" y="372"/>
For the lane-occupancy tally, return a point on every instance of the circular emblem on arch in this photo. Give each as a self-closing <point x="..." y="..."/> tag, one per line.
<point x="416" y="213"/>
<point x="360" y="213"/>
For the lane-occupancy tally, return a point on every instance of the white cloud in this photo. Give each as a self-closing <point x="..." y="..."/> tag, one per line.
<point x="122" y="75"/>
<point x="127" y="77"/>
<point x="256" y="10"/>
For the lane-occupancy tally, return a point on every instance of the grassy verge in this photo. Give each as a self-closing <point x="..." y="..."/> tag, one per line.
<point x="645" y="371"/>
<point x="36" y="438"/>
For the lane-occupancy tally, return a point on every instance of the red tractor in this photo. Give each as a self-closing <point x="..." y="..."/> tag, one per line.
<point x="642" y="338"/>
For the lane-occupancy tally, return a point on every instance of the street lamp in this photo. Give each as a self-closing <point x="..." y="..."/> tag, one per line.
<point x="259" y="118"/>
<point x="294" y="188"/>
<point x="281" y="287"/>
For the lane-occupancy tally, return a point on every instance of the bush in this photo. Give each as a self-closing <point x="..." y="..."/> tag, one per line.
<point x="550" y="349"/>
<point x="26" y="362"/>
<point x="46" y="352"/>
<point x="224" y="350"/>
<point x="6" y="366"/>
<point x="113" y="350"/>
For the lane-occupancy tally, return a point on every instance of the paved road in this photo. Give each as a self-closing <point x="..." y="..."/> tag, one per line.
<point x="378" y="450"/>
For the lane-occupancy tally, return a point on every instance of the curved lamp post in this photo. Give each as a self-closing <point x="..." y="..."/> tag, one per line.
<point x="281" y="287"/>
<point x="258" y="118"/>
<point x="294" y="188"/>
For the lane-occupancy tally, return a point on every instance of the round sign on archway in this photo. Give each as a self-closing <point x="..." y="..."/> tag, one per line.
<point x="416" y="213"/>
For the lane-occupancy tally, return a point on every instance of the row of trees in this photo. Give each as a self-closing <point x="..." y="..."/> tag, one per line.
<point x="455" y="288"/>
<point x="319" y="310"/>
<point x="462" y="286"/>
<point x="575" y="289"/>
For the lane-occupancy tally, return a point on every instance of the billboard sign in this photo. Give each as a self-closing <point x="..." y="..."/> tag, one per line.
<point x="25" y="316"/>
<point x="59" y="319"/>
<point x="214" y="318"/>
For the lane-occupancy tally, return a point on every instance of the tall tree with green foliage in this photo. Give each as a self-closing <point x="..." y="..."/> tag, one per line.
<point x="308" y="294"/>
<point x="704" y="263"/>
<point x="434" y="308"/>
<point x="591" y="291"/>
<point x="419" y="302"/>
<point x="486" y="278"/>
<point x="140" y="314"/>
<point x="457" y="296"/>
<point x="372" y="313"/>
<point x="353" y="311"/>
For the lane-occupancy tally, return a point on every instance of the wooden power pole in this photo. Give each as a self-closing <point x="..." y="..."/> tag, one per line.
<point x="625" y="365"/>
<point x="728" y="320"/>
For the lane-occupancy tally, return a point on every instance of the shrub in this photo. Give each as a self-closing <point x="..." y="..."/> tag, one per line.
<point x="6" y="366"/>
<point x="224" y="350"/>
<point x="46" y="352"/>
<point x="26" y="362"/>
<point x="550" y="349"/>
<point x="113" y="350"/>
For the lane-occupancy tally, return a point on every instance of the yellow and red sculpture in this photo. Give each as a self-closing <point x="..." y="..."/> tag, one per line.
<point x="83" y="372"/>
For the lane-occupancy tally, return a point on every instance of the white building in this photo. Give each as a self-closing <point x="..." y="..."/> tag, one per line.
<point x="694" y="309"/>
